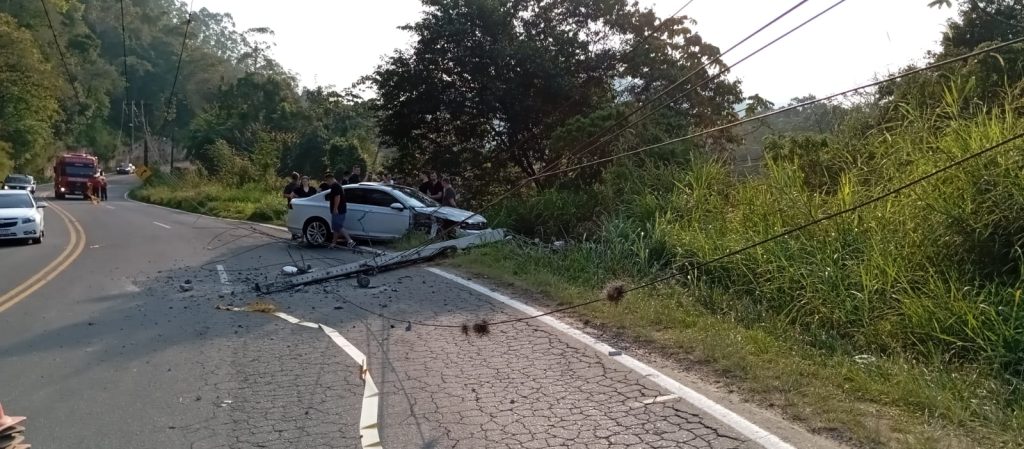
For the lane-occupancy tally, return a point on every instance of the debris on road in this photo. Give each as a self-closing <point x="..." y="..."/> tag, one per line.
<point x="384" y="262"/>
<point x="363" y="281"/>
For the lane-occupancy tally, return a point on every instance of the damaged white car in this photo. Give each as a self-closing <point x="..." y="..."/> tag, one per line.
<point x="379" y="212"/>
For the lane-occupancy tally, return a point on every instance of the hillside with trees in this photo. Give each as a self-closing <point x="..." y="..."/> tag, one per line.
<point x="898" y="324"/>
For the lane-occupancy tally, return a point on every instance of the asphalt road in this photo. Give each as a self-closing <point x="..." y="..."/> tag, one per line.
<point x="123" y="348"/>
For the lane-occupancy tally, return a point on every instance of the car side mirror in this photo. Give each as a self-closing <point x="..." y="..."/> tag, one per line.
<point x="398" y="206"/>
<point x="42" y="205"/>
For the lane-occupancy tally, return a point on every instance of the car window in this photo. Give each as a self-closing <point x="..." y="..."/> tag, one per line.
<point x="17" y="180"/>
<point x="413" y="197"/>
<point x="16" y="201"/>
<point x="84" y="172"/>
<point x="380" y="198"/>
<point x="355" y="196"/>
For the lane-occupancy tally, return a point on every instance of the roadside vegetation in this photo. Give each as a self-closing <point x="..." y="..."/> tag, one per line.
<point x="899" y="325"/>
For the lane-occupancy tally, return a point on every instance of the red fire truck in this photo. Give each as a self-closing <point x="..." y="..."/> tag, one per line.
<point x="72" y="172"/>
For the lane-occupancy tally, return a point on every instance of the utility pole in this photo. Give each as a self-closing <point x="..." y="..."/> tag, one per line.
<point x="131" y="125"/>
<point x="145" y="136"/>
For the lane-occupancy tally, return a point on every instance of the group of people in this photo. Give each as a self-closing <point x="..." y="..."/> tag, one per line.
<point x="96" y="188"/>
<point x="440" y="190"/>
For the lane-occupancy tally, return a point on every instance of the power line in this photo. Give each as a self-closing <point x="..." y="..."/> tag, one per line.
<point x="791" y="107"/>
<point x="705" y="81"/>
<point x="177" y="70"/>
<point x="482" y="327"/>
<point x="876" y="199"/>
<point x="547" y="168"/>
<point x="60" y="52"/>
<point x="671" y="87"/>
<point x="640" y="43"/>
<point x="124" y="52"/>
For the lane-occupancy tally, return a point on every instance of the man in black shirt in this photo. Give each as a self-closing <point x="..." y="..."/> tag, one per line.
<point x="425" y="183"/>
<point x="435" y="190"/>
<point x="288" y="195"/>
<point x="288" y="189"/>
<point x="338" y="207"/>
<point x="356" y="177"/>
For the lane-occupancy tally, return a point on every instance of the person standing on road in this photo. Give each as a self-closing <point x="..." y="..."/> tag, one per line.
<point x="290" y="188"/>
<point x="448" y="194"/>
<point x="103" y="187"/>
<point x="338" y="207"/>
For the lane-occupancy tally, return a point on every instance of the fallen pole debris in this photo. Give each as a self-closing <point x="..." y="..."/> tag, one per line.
<point x="384" y="262"/>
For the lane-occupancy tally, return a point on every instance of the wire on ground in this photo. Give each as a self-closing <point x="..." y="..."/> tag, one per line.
<point x="616" y="291"/>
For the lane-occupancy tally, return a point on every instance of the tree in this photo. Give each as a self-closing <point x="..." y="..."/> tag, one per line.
<point x="29" y="105"/>
<point x="488" y="82"/>
<point x="255" y="104"/>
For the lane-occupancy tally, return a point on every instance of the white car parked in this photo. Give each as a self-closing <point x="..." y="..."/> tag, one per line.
<point x="378" y="212"/>
<point x="21" y="217"/>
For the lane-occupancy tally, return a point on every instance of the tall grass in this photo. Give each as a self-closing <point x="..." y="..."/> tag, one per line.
<point x="932" y="276"/>
<point x="195" y="192"/>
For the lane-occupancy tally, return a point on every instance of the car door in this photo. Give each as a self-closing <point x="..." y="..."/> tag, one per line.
<point x="370" y="214"/>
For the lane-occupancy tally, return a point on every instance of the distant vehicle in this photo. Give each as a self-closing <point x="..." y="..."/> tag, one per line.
<point x="72" y="172"/>
<point x="378" y="212"/>
<point x="125" y="168"/>
<point x="15" y="181"/>
<point x="21" y="217"/>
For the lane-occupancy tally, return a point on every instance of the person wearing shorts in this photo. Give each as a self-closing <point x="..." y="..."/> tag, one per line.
<point x="338" y="207"/>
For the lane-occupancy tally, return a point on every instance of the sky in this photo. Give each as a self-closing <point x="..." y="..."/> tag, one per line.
<point x="334" y="42"/>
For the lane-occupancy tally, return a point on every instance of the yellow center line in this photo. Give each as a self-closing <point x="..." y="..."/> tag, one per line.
<point x="76" y="244"/>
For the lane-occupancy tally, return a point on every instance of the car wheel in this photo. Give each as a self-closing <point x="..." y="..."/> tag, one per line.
<point x="316" y="231"/>
<point x="38" y="240"/>
<point x="58" y="195"/>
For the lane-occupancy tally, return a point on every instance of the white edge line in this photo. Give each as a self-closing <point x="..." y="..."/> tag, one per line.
<point x="161" y="224"/>
<point x="270" y="226"/>
<point x="369" y="433"/>
<point x="226" y="285"/>
<point x="730" y="418"/>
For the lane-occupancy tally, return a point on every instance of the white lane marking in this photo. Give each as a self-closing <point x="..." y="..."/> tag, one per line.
<point x="108" y="207"/>
<point x="356" y="354"/>
<point x="369" y="435"/>
<point x="161" y="224"/>
<point x="747" y="428"/>
<point x="369" y="427"/>
<point x="226" y="285"/>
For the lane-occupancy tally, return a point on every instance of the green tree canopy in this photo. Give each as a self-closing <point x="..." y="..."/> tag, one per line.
<point x="488" y="82"/>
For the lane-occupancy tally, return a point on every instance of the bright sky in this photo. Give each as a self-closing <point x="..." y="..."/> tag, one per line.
<point x="334" y="42"/>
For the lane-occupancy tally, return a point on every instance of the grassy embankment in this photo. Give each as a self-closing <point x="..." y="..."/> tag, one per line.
<point x="927" y="283"/>
<point x="899" y="325"/>
<point x="189" y="191"/>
